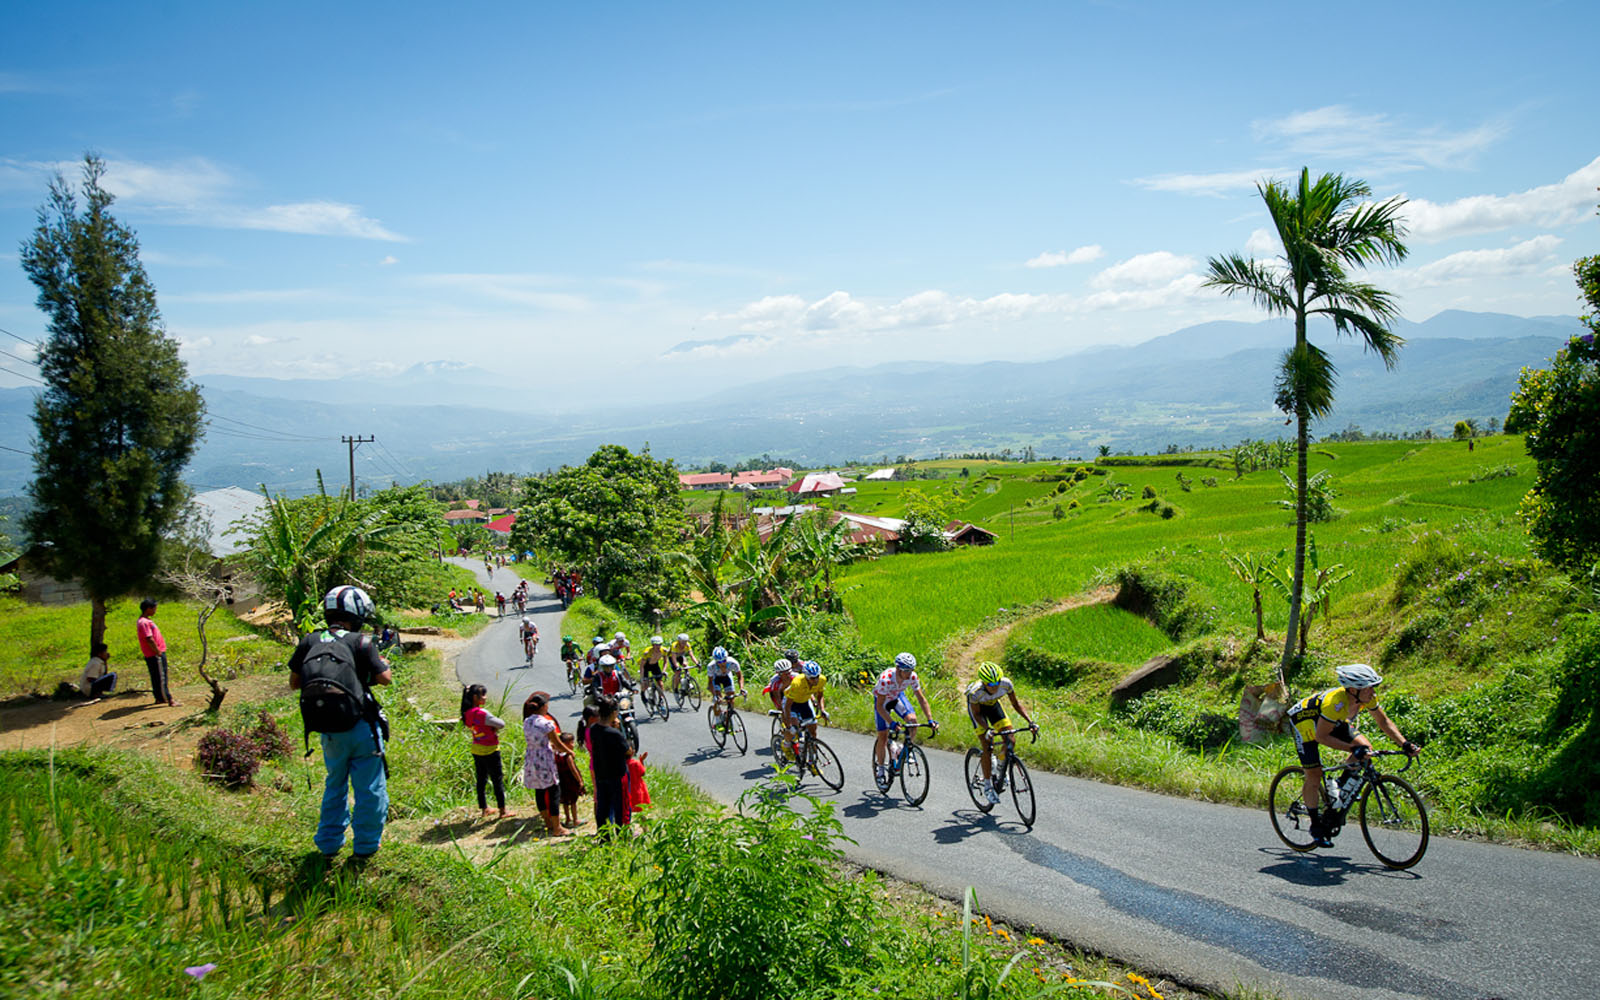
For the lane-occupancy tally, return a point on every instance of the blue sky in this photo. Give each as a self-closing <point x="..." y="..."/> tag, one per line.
<point x="684" y="194"/>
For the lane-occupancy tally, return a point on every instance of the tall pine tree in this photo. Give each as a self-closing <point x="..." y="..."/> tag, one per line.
<point x="118" y="418"/>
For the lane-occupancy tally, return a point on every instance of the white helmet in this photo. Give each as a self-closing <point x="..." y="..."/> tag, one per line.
<point x="352" y="602"/>
<point x="781" y="665"/>
<point x="1358" y="675"/>
<point x="608" y="660"/>
<point x="683" y="637"/>
<point x="905" y="661"/>
<point x="622" y="635"/>
<point x="719" y="654"/>
<point x="526" y="620"/>
<point x="655" y="640"/>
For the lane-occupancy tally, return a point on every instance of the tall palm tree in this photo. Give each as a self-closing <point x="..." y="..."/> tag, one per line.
<point x="1328" y="230"/>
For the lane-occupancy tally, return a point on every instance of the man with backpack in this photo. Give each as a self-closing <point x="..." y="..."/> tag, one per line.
<point x="334" y="670"/>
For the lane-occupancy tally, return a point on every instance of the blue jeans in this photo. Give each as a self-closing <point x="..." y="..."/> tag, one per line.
<point x="354" y="763"/>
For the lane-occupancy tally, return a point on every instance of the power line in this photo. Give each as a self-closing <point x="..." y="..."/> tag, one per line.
<point x="26" y="361"/>
<point x="15" y="337"/>
<point x="30" y="378"/>
<point x="397" y="461"/>
<point x="19" y="451"/>
<point x="287" y="435"/>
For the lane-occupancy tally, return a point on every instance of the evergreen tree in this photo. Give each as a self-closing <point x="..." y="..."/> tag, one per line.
<point x="118" y="418"/>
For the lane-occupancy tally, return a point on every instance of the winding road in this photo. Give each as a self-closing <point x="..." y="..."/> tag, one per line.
<point x="1203" y="893"/>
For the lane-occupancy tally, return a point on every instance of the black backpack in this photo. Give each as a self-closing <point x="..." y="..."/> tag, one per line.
<point x="332" y="697"/>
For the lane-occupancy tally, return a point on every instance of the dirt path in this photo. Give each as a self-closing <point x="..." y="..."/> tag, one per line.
<point x="987" y="645"/>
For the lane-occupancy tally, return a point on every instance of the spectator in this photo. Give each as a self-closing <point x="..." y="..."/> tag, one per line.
<point x="486" y="764"/>
<point x="97" y="679"/>
<point x="609" y="751"/>
<point x="154" y="648"/>
<point x="638" y="791"/>
<point x="353" y="758"/>
<point x="539" y="771"/>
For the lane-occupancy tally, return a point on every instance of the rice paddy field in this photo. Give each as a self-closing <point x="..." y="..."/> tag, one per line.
<point x="1390" y="495"/>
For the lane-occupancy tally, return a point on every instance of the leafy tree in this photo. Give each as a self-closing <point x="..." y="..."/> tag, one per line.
<point x="1316" y="599"/>
<point x="1254" y="569"/>
<point x="1327" y="230"/>
<point x="118" y="418"/>
<point x="616" y="517"/>
<point x="1558" y="408"/>
<point x="1320" y="494"/>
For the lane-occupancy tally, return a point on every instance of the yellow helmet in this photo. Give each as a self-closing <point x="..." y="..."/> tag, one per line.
<point x="989" y="672"/>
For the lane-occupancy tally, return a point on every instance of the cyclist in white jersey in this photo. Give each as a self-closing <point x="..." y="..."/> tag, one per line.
<point x="889" y="695"/>
<point x="721" y="669"/>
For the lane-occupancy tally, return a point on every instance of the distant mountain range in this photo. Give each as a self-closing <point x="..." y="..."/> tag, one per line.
<point x="1209" y="384"/>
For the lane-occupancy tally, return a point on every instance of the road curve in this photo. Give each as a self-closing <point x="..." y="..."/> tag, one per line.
<point x="1202" y="893"/>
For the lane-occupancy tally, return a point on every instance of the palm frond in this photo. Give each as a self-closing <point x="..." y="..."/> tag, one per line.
<point x="1306" y="377"/>
<point x="1236" y="275"/>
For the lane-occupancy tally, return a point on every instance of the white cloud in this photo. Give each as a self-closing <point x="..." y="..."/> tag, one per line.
<point x="1061" y="258"/>
<point x="189" y="185"/>
<point x="317" y="218"/>
<point x="248" y="296"/>
<point x="1337" y="131"/>
<point x="835" y="311"/>
<point x="1211" y="185"/>
<point x="390" y="259"/>
<point x="1565" y="202"/>
<point x="766" y="313"/>
<point x="1527" y="257"/>
<point x="1262" y="243"/>
<point x="261" y="340"/>
<point x="1180" y="288"/>
<point x="1147" y="270"/>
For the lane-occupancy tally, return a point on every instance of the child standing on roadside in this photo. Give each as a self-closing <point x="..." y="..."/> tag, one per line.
<point x="485" y="746"/>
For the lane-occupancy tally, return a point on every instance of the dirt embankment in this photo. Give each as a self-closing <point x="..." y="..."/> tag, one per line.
<point x="964" y="658"/>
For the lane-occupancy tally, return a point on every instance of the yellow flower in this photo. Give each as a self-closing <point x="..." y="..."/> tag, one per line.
<point x="1003" y="933"/>
<point x="1037" y="941"/>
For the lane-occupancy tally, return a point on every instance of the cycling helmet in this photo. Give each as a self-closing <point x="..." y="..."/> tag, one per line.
<point x="655" y="640"/>
<point x="683" y="637"/>
<point x="781" y="664"/>
<point x="351" y="602"/>
<point x="526" y="620"/>
<point x="597" y="640"/>
<point x="812" y="669"/>
<point x="792" y="654"/>
<point x="566" y="638"/>
<point x="1358" y="675"/>
<point x="989" y="672"/>
<point x="608" y="661"/>
<point x="621" y="635"/>
<point x="905" y="661"/>
<point x="719" y="654"/>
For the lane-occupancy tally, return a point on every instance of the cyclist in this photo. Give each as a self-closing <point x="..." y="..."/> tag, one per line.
<point x="620" y="647"/>
<point x="570" y="654"/>
<point x="720" y="673"/>
<point x="889" y="694"/>
<point x="653" y="665"/>
<point x="529" y="633"/>
<point x="1324" y="718"/>
<point x="680" y="652"/>
<point x="983" y="707"/>
<point x="500" y="604"/>
<point x="597" y="649"/>
<point x="605" y="679"/>
<point x="806" y="688"/>
<point x="784" y="673"/>
<point x="520" y="599"/>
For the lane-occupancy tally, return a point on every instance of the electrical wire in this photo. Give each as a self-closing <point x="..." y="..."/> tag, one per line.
<point x="285" y="435"/>
<point x="19" y="451"/>
<point x="15" y="337"/>
<point x="15" y="357"/>
<point x="30" y="378"/>
<point x="406" y="468"/>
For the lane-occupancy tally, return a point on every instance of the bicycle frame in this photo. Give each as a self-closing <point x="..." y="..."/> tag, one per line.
<point x="1368" y="772"/>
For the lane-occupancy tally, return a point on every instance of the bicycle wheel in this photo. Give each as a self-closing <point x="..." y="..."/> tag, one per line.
<point x="780" y="751"/>
<point x="736" y="730"/>
<point x="974" y="771"/>
<point x="648" y="696"/>
<point x="630" y="729"/>
<point x="825" y="765"/>
<point x="914" y="775"/>
<point x="572" y="679"/>
<point x="719" y="734"/>
<point x="1394" y="822"/>
<point x="1291" y="820"/>
<point x="661" y="702"/>
<point x="1021" y="790"/>
<point x="694" y="692"/>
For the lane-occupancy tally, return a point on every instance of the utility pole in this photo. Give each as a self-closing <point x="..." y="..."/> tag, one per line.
<point x="354" y="443"/>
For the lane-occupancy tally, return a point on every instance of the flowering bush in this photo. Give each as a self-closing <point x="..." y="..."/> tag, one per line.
<point x="228" y="756"/>
<point x="270" y="737"/>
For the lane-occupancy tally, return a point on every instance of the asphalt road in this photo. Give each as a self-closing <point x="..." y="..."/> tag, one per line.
<point x="1202" y="893"/>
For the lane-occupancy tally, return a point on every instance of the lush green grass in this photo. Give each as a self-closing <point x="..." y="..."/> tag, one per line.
<point x="49" y="644"/>
<point x="1097" y="632"/>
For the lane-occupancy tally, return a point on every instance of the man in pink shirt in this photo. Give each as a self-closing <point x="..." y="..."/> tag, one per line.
<point x="154" y="648"/>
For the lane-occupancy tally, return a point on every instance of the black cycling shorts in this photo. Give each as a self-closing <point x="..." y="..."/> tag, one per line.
<point x="1308" y="749"/>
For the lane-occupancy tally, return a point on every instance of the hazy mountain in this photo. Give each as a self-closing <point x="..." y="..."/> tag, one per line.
<point x="1209" y="384"/>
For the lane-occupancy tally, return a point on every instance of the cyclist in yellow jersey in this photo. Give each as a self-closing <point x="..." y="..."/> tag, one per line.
<point x="1324" y="718"/>
<point x="678" y="653"/>
<point x="806" y="687"/>
<point x="988" y="717"/>
<point x="653" y="664"/>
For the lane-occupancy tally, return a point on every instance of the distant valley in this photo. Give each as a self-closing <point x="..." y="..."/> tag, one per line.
<point x="1204" y="385"/>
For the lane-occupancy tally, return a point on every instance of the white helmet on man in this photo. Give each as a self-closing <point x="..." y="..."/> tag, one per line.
<point x="683" y="637"/>
<point x="351" y="602"/>
<point x="1358" y="675"/>
<point x="905" y="661"/>
<point x="622" y="636"/>
<point x="655" y="640"/>
<point x="607" y="661"/>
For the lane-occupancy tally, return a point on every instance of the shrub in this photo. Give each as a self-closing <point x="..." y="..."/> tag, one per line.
<point x="1180" y="718"/>
<point x="270" y="738"/>
<point x="1168" y="512"/>
<point x="228" y="756"/>
<point x="1163" y="597"/>
<point x="1149" y="493"/>
<point x="1057" y="513"/>
<point x="1210" y="481"/>
<point x="1044" y="666"/>
<point x="1493" y="472"/>
<point x="1072" y="504"/>
<point x="749" y="906"/>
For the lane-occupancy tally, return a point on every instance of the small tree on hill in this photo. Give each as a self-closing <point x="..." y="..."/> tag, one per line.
<point x="118" y="417"/>
<point x="1558" y="408"/>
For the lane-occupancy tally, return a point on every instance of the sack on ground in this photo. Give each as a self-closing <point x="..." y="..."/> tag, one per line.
<point x="1261" y="711"/>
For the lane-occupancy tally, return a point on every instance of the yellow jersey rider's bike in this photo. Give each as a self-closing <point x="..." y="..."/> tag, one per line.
<point x="804" y="754"/>
<point x="1393" y="819"/>
<point x="1008" y="772"/>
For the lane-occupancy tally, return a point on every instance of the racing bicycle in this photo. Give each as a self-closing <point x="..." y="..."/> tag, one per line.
<point x="804" y="753"/>
<point x="654" y="696"/>
<point x="905" y="760"/>
<point x="728" y="726"/>
<point x="1394" y="821"/>
<point x="1007" y="770"/>
<point x="687" y="691"/>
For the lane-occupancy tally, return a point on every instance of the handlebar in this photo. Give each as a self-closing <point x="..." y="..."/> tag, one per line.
<point x="1012" y="731"/>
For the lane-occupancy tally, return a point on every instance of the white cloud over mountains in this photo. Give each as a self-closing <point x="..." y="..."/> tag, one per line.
<point x="198" y="192"/>
<point x="1525" y="257"/>
<point x="1388" y="144"/>
<point x="1569" y="200"/>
